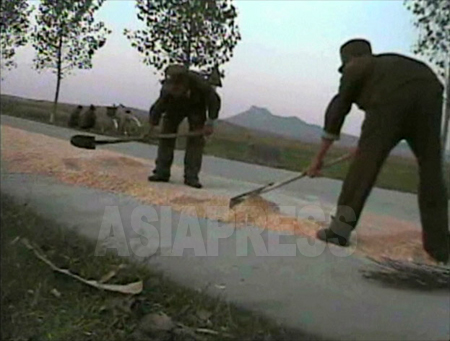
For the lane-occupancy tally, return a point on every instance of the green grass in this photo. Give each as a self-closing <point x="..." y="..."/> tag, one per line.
<point x="29" y="310"/>
<point x="232" y="142"/>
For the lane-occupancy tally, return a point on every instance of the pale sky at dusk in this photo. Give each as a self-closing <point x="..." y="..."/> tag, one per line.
<point x="287" y="60"/>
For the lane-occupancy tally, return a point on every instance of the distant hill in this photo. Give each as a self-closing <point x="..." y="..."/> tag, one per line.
<point x="292" y="127"/>
<point x="262" y="120"/>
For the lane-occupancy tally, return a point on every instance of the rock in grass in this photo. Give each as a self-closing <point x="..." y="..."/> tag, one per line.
<point x="156" y="325"/>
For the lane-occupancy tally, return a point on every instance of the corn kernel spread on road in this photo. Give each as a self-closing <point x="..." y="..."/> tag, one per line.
<point x="25" y="152"/>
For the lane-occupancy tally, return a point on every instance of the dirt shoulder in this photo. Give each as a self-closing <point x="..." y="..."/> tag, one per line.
<point x="40" y="304"/>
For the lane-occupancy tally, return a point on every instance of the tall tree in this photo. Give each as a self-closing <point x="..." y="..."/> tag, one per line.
<point x="66" y="38"/>
<point x="432" y="18"/>
<point x="14" y="26"/>
<point x="196" y="33"/>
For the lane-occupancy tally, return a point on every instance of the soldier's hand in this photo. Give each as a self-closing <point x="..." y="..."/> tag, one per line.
<point x="208" y="130"/>
<point x="355" y="152"/>
<point x="315" y="168"/>
<point x="149" y="131"/>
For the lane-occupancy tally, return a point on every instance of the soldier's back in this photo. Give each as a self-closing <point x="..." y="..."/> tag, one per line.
<point x="390" y="72"/>
<point x="400" y="68"/>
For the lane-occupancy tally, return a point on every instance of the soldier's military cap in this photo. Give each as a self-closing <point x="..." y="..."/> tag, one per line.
<point x="175" y="69"/>
<point x="352" y="48"/>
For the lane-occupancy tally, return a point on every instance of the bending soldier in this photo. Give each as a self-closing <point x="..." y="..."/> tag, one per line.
<point x="402" y="99"/>
<point x="184" y="94"/>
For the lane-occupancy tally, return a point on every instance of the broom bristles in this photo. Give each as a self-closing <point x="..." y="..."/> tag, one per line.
<point x="411" y="275"/>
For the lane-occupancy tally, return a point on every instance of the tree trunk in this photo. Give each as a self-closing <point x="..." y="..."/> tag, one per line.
<point x="187" y="62"/>
<point x="445" y="128"/>
<point x="446" y="115"/>
<point x="58" y="79"/>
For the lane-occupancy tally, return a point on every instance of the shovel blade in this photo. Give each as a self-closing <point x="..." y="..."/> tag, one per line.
<point x="242" y="197"/>
<point x="236" y="201"/>
<point x="83" y="141"/>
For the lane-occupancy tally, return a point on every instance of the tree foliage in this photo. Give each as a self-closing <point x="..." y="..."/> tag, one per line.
<point x="433" y="21"/>
<point x="196" y="33"/>
<point x="432" y="18"/>
<point x="14" y="27"/>
<point x="66" y="36"/>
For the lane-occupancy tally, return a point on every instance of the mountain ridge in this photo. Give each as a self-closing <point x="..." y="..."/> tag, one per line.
<point x="293" y="127"/>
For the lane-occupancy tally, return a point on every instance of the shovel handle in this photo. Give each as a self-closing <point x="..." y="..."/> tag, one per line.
<point x="139" y="139"/>
<point x="304" y="173"/>
<point x="172" y="136"/>
<point x="269" y="187"/>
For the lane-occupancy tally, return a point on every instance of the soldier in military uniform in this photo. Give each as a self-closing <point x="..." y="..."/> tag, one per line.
<point x="402" y="99"/>
<point x="184" y="94"/>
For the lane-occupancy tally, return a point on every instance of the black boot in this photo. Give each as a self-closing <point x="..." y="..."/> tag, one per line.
<point x="193" y="183"/>
<point x="157" y="178"/>
<point x="328" y="236"/>
<point x="440" y="255"/>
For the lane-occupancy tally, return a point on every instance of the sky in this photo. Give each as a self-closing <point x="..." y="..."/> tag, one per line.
<point x="287" y="59"/>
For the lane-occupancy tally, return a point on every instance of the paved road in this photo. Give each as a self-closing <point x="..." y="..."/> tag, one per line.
<point x="323" y="294"/>
<point x="243" y="176"/>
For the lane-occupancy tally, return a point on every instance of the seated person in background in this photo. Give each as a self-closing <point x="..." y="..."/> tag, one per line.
<point x="75" y="117"/>
<point x="88" y="118"/>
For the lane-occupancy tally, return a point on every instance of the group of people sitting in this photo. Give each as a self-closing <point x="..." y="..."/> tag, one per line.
<point x="83" y="120"/>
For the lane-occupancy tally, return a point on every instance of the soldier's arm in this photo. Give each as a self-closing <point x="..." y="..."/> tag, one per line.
<point x="338" y="108"/>
<point x="157" y="109"/>
<point x="341" y="104"/>
<point x="335" y="115"/>
<point x="214" y="104"/>
<point x="213" y="101"/>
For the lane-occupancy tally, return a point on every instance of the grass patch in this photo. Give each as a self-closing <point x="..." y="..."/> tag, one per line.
<point x="40" y="304"/>
<point x="236" y="143"/>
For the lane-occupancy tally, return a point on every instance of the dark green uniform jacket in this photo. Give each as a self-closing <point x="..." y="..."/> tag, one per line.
<point x="202" y="99"/>
<point x="371" y="82"/>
